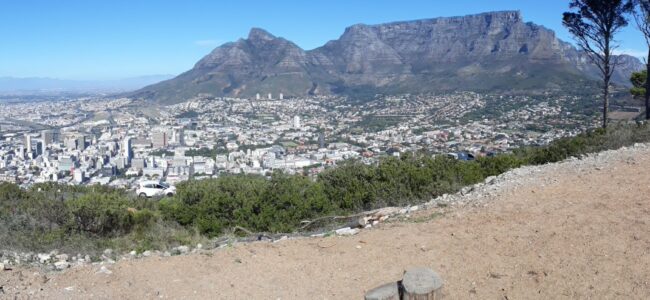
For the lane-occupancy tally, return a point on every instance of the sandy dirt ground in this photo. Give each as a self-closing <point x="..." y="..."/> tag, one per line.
<point x="570" y="231"/>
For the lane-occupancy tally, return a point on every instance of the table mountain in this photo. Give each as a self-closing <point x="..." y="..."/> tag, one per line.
<point x="484" y="52"/>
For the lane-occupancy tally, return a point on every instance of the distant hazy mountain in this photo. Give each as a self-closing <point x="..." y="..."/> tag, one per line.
<point x="35" y="84"/>
<point x="490" y="51"/>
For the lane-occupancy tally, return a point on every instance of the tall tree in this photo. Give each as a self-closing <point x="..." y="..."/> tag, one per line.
<point x="594" y="24"/>
<point x="642" y="18"/>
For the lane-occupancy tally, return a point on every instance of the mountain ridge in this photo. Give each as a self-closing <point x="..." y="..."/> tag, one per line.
<point x="487" y="51"/>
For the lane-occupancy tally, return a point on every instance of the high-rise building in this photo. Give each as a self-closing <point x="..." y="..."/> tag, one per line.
<point x="257" y="96"/>
<point x="178" y="136"/>
<point x="281" y="96"/>
<point x="159" y="139"/>
<point x="21" y="152"/>
<point x="127" y="150"/>
<point x="71" y="143"/>
<point x="81" y="142"/>
<point x="270" y="96"/>
<point x="28" y="143"/>
<point x="296" y="122"/>
<point x="48" y="138"/>
<point x="39" y="148"/>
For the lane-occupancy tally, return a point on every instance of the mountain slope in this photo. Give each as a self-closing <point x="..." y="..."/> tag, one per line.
<point x="489" y="51"/>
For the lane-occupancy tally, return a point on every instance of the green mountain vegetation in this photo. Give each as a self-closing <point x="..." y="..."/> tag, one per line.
<point x="91" y="218"/>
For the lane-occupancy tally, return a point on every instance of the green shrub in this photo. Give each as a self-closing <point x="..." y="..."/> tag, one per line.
<point x="51" y="216"/>
<point x="102" y="214"/>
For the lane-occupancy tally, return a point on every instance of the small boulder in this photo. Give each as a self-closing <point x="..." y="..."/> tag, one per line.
<point x="43" y="257"/>
<point x="61" y="265"/>
<point x="347" y="231"/>
<point x="384" y="292"/>
<point x="183" y="249"/>
<point x="62" y="257"/>
<point x="104" y="270"/>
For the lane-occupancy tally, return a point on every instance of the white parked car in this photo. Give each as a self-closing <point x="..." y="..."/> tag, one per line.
<point x="148" y="189"/>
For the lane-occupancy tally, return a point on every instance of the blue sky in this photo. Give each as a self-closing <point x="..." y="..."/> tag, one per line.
<point x="109" y="39"/>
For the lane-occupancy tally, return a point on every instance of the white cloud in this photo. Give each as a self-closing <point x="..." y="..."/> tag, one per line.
<point x="207" y="43"/>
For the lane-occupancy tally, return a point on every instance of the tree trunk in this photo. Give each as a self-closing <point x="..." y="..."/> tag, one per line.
<point x="422" y="284"/>
<point x="647" y="88"/>
<point x="605" y="102"/>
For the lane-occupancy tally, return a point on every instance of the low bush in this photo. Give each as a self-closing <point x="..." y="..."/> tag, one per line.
<point x="89" y="218"/>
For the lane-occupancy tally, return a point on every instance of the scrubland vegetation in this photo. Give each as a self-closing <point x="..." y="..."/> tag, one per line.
<point x="91" y="218"/>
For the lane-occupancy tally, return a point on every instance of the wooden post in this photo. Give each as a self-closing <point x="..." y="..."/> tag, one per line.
<point x="388" y="291"/>
<point x="422" y="284"/>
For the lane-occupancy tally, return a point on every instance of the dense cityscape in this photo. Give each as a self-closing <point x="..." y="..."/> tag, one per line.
<point x="120" y="142"/>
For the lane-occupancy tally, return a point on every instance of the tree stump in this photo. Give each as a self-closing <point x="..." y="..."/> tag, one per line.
<point x="422" y="284"/>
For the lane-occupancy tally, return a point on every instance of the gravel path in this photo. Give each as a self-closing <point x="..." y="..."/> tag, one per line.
<point x="571" y="230"/>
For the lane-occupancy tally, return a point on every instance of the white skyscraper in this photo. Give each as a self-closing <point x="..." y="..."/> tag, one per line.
<point x="127" y="151"/>
<point x="296" y="122"/>
<point x="281" y="96"/>
<point x="270" y="96"/>
<point x="28" y="143"/>
<point x="257" y="96"/>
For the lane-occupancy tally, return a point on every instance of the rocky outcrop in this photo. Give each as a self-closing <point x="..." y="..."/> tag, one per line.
<point x="489" y="51"/>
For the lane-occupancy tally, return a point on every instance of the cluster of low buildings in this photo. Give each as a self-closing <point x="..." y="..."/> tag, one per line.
<point x="119" y="142"/>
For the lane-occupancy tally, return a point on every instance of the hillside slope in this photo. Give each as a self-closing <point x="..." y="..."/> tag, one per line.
<point x="484" y="52"/>
<point x="576" y="229"/>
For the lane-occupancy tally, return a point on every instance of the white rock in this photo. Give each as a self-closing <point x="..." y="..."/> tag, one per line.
<point x="133" y="253"/>
<point x="62" y="257"/>
<point x="283" y="238"/>
<point x="61" y="265"/>
<point x="146" y="253"/>
<point x="43" y="258"/>
<point x="104" y="270"/>
<point x="199" y="246"/>
<point x="2" y="267"/>
<point x="347" y="231"/>
<point x="183" y="249"/>
<point x="386" y="211"/>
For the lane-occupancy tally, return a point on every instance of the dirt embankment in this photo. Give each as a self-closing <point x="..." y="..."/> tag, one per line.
<point x="577" y="229"/>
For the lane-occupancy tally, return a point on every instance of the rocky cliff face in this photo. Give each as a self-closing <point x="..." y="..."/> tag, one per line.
<point x="489" y="51"/>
